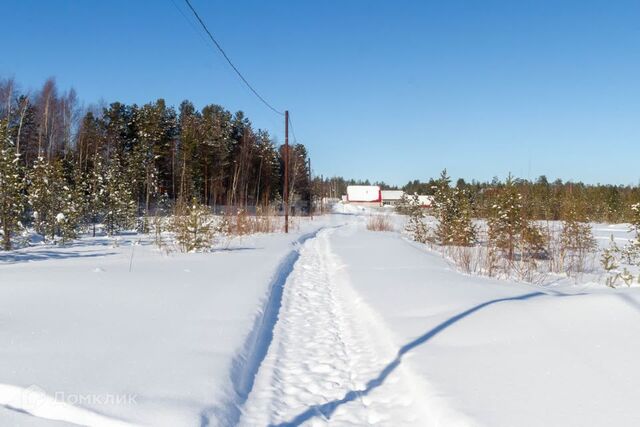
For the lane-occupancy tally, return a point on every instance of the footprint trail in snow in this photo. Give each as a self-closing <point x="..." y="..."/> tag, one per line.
<point x="327" y="345"/>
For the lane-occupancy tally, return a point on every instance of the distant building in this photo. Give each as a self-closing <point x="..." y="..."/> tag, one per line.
<point x="364" y="195"/>
<point x="391" y="197"/>
<point x="425" y="201"/>
<point x="372" y="196"/>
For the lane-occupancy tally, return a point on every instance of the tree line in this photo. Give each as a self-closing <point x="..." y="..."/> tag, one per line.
<point x="529" y="228"/>
<point x="63" y="167"/>
<point x="543" y="199"/>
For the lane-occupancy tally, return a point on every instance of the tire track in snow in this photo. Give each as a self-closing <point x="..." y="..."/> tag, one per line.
<point x="324" y="346"/>
<point x="247" y="362"/>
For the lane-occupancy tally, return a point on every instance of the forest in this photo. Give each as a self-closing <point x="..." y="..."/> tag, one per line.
<point x="64" y="166"/>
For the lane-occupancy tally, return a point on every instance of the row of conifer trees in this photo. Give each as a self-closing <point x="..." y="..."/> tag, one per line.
<point x="63" y="167"/>
<point x="509" y="235"/>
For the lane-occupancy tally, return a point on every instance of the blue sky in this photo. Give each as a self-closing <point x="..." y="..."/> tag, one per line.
<point x="385" y="90"/>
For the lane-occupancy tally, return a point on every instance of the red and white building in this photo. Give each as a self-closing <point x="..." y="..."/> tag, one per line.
<point x="364" y="195"/>
<point x="372" y="196"/>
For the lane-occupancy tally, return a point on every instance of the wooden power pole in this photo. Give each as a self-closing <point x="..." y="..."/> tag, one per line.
<point x="286" y="171"/>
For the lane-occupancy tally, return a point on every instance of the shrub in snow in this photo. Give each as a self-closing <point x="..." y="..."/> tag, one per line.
<point x="379" y="223"/>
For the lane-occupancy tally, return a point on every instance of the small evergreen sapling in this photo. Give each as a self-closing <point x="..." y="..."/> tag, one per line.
<point x="453" y="211"/>
<point x="193" y="225"/>
<point x="416" y="227"/>
<point x="610" y="263"/>
<point x="505" y="222"/>
<point x="576" y="240"/>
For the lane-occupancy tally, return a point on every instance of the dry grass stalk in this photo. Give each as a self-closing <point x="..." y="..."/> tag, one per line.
<point x="379" y="223"/>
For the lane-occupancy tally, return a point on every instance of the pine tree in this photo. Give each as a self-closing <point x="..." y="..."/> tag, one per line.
<point x="506" y="222"/>
<point x="464" y="232"/>
<point x="193" y="226"/>
<point x="443" y="208"/>
<point x="11" y="188"/>
<point x="416" y="227"/>
<point x="41" y="197"/>
<point x="631" y="251"/>
<point x="70" y="211"/>
<point x="94" y="189"/>
<point x="454" y="213"/>
<point x="576" y="236"/>
<point x="55" y="204"/>
<point x="120" y="205"/>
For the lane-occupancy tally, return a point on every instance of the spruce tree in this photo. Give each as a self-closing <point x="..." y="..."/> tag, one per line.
<point x="11" y="188"/>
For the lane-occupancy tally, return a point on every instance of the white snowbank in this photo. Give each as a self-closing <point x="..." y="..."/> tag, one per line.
<point x="502" y="353"/>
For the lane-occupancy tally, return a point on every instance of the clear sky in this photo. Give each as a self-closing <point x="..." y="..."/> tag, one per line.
<point x="385" y="90"/>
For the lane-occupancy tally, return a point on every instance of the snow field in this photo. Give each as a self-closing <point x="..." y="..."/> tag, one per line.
<point x="346" y="327"/>
<point x="330" y="362"/>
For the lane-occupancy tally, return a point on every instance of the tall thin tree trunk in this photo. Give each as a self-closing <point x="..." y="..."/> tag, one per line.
<point x="22" y="114"/>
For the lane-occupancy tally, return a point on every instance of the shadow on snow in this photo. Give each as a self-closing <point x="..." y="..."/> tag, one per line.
<point x="325" y="410"/>
<point x="48" y="254"/>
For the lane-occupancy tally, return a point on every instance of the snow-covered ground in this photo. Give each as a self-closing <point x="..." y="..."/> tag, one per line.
<point x="330" y="325"/>
<point x="162" y="344"/>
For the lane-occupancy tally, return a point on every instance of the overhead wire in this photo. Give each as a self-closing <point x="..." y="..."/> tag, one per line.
<point x="224" y="54"/>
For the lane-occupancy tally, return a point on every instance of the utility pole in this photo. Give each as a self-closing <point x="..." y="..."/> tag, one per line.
<point x="286" y="171"/>
<point x="311" y="191"/>
<point x="321" y="194"/>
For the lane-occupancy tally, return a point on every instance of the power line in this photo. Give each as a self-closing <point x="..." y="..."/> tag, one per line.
<point x="255" y="92"/>
<point x="190" y="22"/>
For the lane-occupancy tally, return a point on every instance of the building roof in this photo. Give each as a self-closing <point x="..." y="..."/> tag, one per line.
<point x="392" y="194"/>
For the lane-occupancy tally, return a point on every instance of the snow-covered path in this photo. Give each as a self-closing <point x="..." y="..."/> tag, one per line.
<point x="328" y="354"/>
